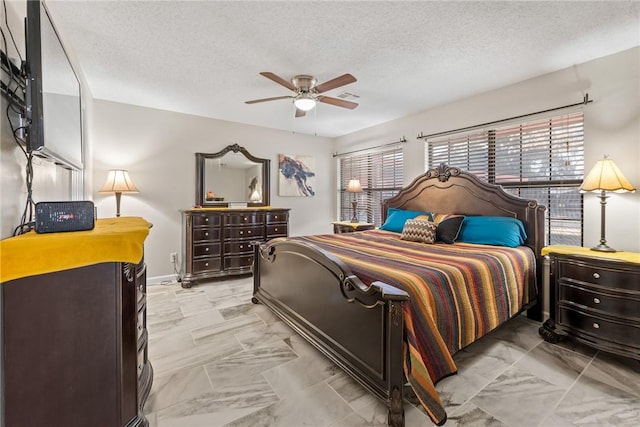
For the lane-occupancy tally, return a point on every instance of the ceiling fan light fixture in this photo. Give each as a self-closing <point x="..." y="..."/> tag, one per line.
<point x="304" y="102"/>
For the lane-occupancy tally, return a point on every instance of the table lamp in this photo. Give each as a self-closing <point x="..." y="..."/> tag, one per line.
<point x="118" y="182"/>
<point x="603" y="177"/>
<point x="354" y="187"/>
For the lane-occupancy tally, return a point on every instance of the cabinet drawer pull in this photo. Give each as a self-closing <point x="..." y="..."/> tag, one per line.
<point x="242" y="232"/>
<point x="206" y="264"/>
<point x="275" y="229"/>
<point x="206" y="249"/>
<point x="596" y="275"/>
<point x="249" y="232"/>
<point x="241" y="246"/>
<point x="206" y="220"/>
<point x="275" y="216"/>
<point x="596" y="326"/>
<point x="596" y="300"/>
<point x="206" y="234"/>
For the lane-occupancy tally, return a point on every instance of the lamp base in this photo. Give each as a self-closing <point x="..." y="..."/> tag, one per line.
<point x="602" y="247"/>
<point x="354" y="207"/>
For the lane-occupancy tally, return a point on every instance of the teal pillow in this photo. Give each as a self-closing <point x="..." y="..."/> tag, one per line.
<point x="493" y="230"/>
<point x="397" y="217"/>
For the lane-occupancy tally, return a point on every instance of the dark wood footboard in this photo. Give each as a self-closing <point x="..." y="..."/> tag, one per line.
<point x="359" y="327"/>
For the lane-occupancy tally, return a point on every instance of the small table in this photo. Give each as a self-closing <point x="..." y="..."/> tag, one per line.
<point x="594" y="299"/>
<point x="349" y="227"/>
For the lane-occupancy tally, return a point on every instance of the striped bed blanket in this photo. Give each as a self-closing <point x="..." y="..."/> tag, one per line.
<point x="458" y="293"/>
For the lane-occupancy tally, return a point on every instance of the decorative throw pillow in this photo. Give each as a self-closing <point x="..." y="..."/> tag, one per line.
<point x="493" y="230"/>
<point x="416" y="230"/>
<point x="448" y="227"/>
<point x="396" y="218"/>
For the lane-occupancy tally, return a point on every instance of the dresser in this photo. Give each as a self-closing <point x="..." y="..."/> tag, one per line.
<point x="594" y="299"/>
<point x="74" y="339"/>
<point x="217" y="241"/>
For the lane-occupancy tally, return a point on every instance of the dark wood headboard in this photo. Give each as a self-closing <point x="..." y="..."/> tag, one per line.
<point x="449" y="190"/>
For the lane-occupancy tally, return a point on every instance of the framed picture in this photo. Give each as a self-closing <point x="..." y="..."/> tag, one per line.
<point x="296" y="175"/>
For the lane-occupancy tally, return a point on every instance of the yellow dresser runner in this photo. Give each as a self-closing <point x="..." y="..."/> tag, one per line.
<point x="577" y="250"/>
<point x="112" y="240"/>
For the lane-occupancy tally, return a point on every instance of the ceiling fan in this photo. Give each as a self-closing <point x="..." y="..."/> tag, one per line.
<point x="307" y="93"/>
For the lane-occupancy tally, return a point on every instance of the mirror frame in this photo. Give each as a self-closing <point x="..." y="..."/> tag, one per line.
<point x="200" y="175"/>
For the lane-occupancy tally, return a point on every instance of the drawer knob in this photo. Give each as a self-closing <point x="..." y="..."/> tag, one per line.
<point x="206" y="249"/>
<point x="241" y="246"/>
<point x="596" y="300"/>
<point x="275" y="216"/>
<point x="206" y="264"/>
<point x="206" y="234"/>
<point x="596" y="275"/>
<point x="206" y="220"/>
<point x="249" y="232"/>
<point x="241" y="232"/>
<point x="276" y="229"/>
<point x="596" y="326"/>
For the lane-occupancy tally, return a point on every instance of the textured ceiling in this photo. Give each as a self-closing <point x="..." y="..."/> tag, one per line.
<point x="203" y="58"/>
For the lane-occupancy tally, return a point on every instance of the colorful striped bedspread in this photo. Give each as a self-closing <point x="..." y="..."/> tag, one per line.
<point x="458" y="293"/>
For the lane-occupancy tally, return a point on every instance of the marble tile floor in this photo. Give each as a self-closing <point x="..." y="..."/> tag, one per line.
<point x="220" y="360"/>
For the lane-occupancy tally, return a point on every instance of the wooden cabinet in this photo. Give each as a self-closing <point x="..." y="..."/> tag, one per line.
<point x="75" y="347"/>
<point x="217" y="242"/>
<point x="595" y="300"/>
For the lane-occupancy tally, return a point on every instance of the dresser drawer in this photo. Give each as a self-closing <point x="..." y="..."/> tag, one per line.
<point x="206" y="264"/>
<point x="244" y="233"/>
<point x="599" y="274"/>
<point x="238" y="248"/>
<point x="609" y="301"/>
<point x="206" y="219"/>
<point x="277" y="217"/>
<point x="140" y="326"/>
<point x="279" y="230"/>
<point x="206" y="234"/>
<point x="236" y="262"/>
<point x="603" y="329"/>
<point x="206" y="250"/>
<point x="249" y="218"/>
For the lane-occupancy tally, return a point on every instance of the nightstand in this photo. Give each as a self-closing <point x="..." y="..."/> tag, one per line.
<point x="594" y="299"/>
<point x="350" y="227"/>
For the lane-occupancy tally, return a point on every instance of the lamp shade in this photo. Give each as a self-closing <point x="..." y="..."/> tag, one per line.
<point x="118" y="181"/>
<point x="605" y="176"/>
<point x="354" y="186"/>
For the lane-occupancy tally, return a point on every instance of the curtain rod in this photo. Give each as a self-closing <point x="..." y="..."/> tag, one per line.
<point x="585" y="101"/>
<point x="400" y="141"/>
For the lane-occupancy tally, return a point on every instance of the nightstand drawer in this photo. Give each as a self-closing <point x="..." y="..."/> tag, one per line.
<point x="617" y="331"/>
<point x="606" y="300"/>
<point x="599" y="275"/>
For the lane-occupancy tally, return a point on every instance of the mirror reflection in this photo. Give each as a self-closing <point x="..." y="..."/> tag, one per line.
<point x="231" y="176"/>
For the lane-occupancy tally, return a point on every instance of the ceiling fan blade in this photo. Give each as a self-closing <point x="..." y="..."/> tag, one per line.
<point x="344" y="79"/>
<point x="337" y="102"/>
<point x="300" y="113"/>
<point x="255" y="101"/>
<point x="279" y="80"/>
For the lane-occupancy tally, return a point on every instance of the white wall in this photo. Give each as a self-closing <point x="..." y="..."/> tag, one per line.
<point x="158" y="149"/>
<point x="612" y="126"/>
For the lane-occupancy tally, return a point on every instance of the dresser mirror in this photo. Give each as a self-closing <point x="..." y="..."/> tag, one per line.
<point x="231" y="177"/>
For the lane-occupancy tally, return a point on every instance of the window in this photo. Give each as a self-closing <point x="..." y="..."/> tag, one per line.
<point x="541" y="160"/>
<point x="380" y="175"/>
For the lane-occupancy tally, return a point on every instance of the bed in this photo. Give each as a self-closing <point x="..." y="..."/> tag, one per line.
<point x="361" y="299"/>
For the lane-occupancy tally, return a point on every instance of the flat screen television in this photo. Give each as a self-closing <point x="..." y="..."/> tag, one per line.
<point x="54" y="111"/>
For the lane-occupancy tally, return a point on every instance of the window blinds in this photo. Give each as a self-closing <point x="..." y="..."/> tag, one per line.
<point x="542" y="159"/>
<point x="381" y="176"/>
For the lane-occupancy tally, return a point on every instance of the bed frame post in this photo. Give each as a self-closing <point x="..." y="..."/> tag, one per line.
<point x="395" y="363"/>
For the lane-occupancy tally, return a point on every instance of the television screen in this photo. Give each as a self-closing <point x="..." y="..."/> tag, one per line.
<point x="53" y="93"/>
